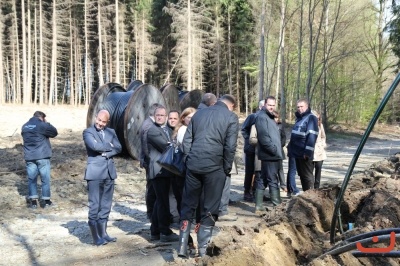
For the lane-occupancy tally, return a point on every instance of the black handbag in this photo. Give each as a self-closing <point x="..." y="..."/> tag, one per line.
<point x="172" y="160"/>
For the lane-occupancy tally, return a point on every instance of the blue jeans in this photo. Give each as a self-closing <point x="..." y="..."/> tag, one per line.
<point x="33" y="169"/>
<point x="291" y="176"/>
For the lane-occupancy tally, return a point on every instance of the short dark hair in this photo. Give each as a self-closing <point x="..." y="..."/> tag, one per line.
<point x="230" y="98"/>
<point x="209" y="99"/>
<point x="39" y="114"/>
<point x="153" y="108"/>
<point x="174" y="111"/>
<point x="269" y="98"/>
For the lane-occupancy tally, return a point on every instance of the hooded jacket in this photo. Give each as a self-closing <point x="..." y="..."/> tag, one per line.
<point x="36" y="134"/>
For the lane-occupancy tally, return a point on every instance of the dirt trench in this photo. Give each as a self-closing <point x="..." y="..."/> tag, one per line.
<point x="297" y="232"/>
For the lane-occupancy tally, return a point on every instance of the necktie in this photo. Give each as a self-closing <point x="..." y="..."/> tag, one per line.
<point x="166" y="132"/>
<point x="102" y="133"/>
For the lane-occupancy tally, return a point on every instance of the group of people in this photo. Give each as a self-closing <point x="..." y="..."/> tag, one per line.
<point x="207" y="136"/>
<point x="306" y="152"/>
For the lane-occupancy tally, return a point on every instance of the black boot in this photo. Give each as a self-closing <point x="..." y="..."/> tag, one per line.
<point x="275" y="196"/>
<point x="184" y="233"/>
<point x="102" y="229"/>
<point x="203" y="238"/>
<point x="97" y="240"/>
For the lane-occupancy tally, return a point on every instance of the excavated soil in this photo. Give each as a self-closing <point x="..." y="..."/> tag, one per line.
<point x="295" y="233"/>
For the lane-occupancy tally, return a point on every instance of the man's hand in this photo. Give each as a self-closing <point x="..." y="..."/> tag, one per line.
<point x="104" y="154"/>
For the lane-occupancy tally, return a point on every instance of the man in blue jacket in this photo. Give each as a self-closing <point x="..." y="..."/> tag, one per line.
<point x="302" y="143"/>
<point x="37" y="153"/>
<point x="102" y="145"/>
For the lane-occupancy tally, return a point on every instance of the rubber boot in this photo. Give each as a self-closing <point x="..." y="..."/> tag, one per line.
<point x="97" y="240"/>
<point x="203" y="238"/>
<point x="275" y="196"/>
<point x="184" y="233"/>
<point x="259" y="200"/>
<point x="102" y="229"/>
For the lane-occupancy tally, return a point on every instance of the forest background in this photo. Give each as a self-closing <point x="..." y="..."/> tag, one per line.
<point x="340" y="54"/>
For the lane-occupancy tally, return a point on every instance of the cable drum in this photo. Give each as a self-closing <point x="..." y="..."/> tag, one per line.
<point x="128" y="110"/>
<point x="129" y="107"/>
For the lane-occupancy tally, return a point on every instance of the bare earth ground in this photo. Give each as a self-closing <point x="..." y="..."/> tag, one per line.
<point x="295" y="233"/>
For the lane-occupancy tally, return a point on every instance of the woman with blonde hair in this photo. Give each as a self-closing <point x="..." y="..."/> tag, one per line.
<point x="319" y="151"/>
<point x="184" y="121"/>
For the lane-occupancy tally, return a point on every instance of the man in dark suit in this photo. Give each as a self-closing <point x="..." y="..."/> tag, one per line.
<point x="158" y="139"/>
<point x="101" y="145"/>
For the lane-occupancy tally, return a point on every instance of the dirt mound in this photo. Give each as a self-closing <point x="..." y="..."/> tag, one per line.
<point x="297" y="232"/>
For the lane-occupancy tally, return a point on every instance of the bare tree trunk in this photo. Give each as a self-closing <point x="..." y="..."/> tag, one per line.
<point x="229" y="53"/>
<point x="142" y="63"/>
<point x="218" y="78"/>
<point x="282" y="63"/>
<point x="262" y="36"/>
<point x="35" y="99"/>
<point x="117" y="76"/>
<point x="53" y="78"/>
<point x="29" y="61"/>
<point x="299" y="50"/>
<point x="189" y="66"/>
<point x="17" y="81"/>
<point x="238" y="101"/>
<point x="25" y="87"/>
<point x="41" y="77"/>
<point x="99" y="30"/>
<point x="86" y="61"/>
<point x="71" y="62"/>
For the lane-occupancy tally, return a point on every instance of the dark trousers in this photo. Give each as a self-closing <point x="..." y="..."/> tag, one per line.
<point x="317" y="174"/>
<point x="212" y="185"/>
<point x="291" y="176"/>
<point x="160" y="219"/>
<point x="150" y="198"/>
<point x="249" y="170"/>
<point x="305" y="169"/>
<point x="177" y="187"/>
<point x="100" y="198"/>
<point x="281" y="175"/>
<point x="226" y="193"/>
<point x="270" y="173"/>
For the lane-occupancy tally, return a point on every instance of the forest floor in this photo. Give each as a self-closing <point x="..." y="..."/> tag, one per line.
<point x="295" y="233"/>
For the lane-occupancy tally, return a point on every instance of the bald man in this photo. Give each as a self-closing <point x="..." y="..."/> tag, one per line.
<point x="101" y="145"/>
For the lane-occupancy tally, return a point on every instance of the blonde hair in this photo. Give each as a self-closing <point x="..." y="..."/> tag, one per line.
<point x="187" y="111"/>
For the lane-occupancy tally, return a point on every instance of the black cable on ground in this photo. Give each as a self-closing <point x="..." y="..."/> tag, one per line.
<point x="364" y="138"/>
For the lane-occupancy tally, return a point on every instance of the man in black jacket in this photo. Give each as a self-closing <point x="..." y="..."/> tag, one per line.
<point x="269" y="151"/>
<point x="37" y="153"/>
<point x="209" y="145"/>
<point x="249" y="153"/>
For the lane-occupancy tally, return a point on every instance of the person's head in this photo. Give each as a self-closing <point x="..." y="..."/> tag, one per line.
<point x="302" y="105"/>
<point x="173" y="118"/>
<point x="229" y="100"/>
<point x="209" y="99"/>
<point x="186" y="115"/>
<point x="40" y="115"/>
<point x="160" y="115"/>
<point x="102" y="118"/>
<point x="270" y="104"/>
<point x="153" y="108"/>
<point x="261" y="104"/>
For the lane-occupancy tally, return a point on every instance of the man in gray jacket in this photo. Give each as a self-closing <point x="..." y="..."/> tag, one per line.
<point x="269" y="152"/>
<point x="37" y="153"/>
<point x="102" y="145"/>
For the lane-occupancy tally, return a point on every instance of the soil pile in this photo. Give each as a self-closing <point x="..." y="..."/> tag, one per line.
<point x="297" y="232"/>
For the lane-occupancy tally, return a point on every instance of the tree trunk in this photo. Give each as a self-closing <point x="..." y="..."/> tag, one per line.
<point x="299" y="50"/>
<point x="262" y="36"/>
<point x="41" y="77"/>
<point x="100" y="54"/>
<point x="25" y="87"/>
<point x="117" y="76"/>
<point x="53" y="65"/>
